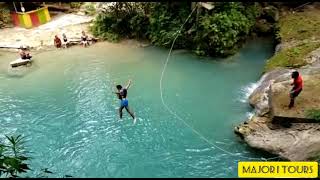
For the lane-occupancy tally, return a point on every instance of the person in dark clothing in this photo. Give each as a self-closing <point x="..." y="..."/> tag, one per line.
<point x="57" y="41"/>
<point x="24" y="54"/>
<point x="122" y="95"/>
<point x="297" y="87"/>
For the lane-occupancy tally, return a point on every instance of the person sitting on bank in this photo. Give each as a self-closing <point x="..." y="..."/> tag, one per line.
<point x="23" y="52"/>
<point x="65" y="40"/>
<point x="297" y="87"/>
<point x="57" y="41"/>
<point x="84" y="39"/>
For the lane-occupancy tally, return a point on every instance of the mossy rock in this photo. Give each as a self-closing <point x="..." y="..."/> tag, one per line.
<point x="263" y="27"/>
<point x="271" y="14"/>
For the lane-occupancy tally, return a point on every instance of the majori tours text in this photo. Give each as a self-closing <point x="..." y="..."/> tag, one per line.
<point x="278" y="169"/>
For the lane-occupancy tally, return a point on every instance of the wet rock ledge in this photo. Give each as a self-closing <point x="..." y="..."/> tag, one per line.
<point x="288" y="133"/>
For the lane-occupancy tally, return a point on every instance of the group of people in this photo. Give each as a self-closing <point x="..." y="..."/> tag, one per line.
<point x="58" y="43"/>
<point x="64" y="43"/>
<point x="25" y="54"/>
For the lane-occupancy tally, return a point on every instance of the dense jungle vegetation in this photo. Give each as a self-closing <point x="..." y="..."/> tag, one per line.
<point x="217" y="32"/>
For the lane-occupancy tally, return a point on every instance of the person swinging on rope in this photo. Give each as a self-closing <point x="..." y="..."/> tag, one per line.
<point x="122" y="95"/>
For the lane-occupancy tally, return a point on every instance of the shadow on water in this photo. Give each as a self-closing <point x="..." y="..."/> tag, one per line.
<point x="259" y="152"/>
<point x="21" y="71"/>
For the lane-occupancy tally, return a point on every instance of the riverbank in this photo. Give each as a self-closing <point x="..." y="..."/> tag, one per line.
<point x="42" y="37"/>
<point x="275" y="128"/>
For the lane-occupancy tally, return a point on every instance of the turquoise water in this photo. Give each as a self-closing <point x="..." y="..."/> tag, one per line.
<point x="65" y="107"/>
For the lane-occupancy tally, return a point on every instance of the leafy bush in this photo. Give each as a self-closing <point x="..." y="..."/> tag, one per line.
<point x="90" y="9"/>
<point x="5" y="17"/>
<point x="314" y="114"/>
<point x="220" y="32"/>
<point x="216" y="33"/>
<point x="138" y="25"/>
<point x="165" y="22"/>
<point x="121" y="21"/>
<point x="76" y="5"/>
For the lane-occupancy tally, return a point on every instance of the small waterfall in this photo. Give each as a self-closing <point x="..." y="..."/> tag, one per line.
<point x="247" y="90"/>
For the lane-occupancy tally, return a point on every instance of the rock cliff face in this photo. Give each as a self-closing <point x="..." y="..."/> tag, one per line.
<point x="265" y="130"/>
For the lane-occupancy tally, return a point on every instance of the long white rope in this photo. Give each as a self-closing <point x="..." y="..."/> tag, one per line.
<point x="178" y="117"/>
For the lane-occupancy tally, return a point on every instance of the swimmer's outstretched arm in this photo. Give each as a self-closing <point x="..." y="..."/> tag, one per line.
<point x="129" y="84"/>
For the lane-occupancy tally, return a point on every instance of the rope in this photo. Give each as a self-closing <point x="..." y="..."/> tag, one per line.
<point x="301" y="5"/>
<point x="178" y="117"/>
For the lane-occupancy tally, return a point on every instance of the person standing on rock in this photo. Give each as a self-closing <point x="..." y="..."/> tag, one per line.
<point x="297" y="87"/>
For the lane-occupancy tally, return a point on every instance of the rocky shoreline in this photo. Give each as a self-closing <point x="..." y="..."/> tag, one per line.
<point x="264" y="131"/>
<point x="291" y="134"/>
<point x="41" y="38"/>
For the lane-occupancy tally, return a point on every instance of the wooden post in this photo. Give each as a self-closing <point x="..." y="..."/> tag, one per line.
<point x="22" y="8"/>
<point x="15" y="8"/>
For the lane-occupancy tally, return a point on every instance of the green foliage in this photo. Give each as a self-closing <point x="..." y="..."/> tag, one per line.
<point x="90" y="9"/>
<point x="165" y="22"/>
<point x="139" y="26"/>
<point x="5" y="17"/>
<point x="251" y="11"/>
<point x="216" y="33"/>
<point x="76" y="5"/>
<point x="13" y="158"/>
<point x="291" y="57"/>
<point x="314" y="114"/>
<point x="221" y="31"/>
<point x="125" y="20"/>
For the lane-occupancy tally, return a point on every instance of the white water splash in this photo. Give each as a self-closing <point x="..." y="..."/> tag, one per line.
<point x="246" y="91"/>
<point x="249" y="115"/>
